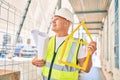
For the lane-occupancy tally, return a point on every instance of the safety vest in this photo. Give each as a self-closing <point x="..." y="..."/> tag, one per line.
<point x="53" y="70"/>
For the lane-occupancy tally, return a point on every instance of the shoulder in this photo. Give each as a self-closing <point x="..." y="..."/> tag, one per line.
<point x="51" y="37"/>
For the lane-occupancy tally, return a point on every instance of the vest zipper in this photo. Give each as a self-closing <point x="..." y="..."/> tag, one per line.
<point x="50" y="71"/>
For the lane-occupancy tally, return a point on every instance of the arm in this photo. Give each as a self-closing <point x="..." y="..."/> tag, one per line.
<point x="81" y="63"/>
<point x="92" y="48"/>
<point x="38" y="63"/>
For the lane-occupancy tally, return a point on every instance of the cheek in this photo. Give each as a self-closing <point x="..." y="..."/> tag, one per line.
<point x="60" y="24"/>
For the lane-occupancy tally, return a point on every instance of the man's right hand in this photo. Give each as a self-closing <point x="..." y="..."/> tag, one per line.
<point x="38" y="63"/>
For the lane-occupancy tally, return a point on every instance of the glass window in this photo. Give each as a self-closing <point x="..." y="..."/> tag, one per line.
<point x="116" y="34"/>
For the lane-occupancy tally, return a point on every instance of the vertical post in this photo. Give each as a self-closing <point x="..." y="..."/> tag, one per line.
<point x="116" y="48"/>
<point x="108" y="54"/>
<point x="59" y="4"/>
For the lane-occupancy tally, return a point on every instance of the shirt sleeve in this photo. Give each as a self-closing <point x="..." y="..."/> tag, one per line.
<point x="82" y="52"/>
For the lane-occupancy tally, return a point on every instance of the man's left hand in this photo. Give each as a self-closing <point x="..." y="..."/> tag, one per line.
<point x="92" y="47"/>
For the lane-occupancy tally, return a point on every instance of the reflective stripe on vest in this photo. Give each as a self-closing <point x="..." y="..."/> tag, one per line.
<point x="60" y="75"/>
<point x="61" y="71"/>
<point x="45" y="78"/>
<point x="61" y="68"/>
<point x="71" y="53"/>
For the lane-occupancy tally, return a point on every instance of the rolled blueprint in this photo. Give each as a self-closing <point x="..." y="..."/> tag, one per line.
<point x="42" y="45"/>
<point x="35" y="34"/>
<point x="41" y="41"/>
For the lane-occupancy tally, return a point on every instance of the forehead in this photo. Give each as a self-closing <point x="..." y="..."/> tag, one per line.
<point x="59" y="17"/>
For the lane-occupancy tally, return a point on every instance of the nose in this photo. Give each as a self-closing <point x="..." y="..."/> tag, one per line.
<point x="53" y="20"/>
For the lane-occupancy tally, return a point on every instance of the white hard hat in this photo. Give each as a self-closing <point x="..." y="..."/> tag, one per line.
<point x="65" y="13"/>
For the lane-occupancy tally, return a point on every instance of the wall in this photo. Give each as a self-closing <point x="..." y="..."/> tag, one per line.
<point x="108" y="43"/>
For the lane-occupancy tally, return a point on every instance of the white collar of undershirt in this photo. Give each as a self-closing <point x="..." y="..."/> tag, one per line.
<point x="59" y="41"/>
<point x="61" y="37"/>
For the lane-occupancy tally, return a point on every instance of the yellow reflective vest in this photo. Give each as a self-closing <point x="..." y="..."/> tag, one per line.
<point x="53" y="70"/>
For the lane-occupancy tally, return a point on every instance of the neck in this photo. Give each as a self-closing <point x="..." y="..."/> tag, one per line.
<point x="61" y="34"/>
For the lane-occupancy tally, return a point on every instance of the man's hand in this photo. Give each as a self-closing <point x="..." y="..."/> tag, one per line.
<point x="92" y="47"/>
<point x="38" y="63"/>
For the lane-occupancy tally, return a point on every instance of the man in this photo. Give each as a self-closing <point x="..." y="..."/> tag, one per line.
<point x="52" y="69"/>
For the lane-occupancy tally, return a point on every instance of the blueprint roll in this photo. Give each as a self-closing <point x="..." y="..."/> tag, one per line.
<point x="41" y="40"/>
<point x="42" y="45"/>
<point x="35" y="34"/>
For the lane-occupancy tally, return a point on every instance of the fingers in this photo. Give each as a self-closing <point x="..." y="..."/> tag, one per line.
<point x="38" y="63"/>
<point x="92" y="47"/>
